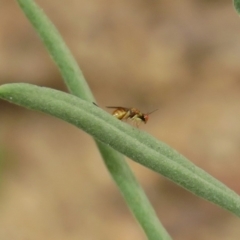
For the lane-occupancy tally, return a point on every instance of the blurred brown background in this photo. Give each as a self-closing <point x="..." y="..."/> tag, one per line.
<point x="182" y="57"/>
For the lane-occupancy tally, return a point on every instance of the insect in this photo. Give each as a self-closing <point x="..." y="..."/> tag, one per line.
<point x="130" y="113"/>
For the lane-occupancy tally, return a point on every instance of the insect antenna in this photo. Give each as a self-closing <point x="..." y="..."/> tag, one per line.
<point x="152" y="111"/>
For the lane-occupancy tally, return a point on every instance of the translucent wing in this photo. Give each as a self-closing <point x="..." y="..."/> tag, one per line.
<point x="120" y="108"/>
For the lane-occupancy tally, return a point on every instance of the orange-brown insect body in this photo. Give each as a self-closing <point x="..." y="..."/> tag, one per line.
<point x="130" y="113"/>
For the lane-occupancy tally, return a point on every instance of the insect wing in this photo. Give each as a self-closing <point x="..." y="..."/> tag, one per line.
<point x="120" y="108"/>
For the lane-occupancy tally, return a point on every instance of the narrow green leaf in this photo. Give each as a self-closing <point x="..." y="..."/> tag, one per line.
<point x="122" y="137"/>
<point x="74" y="79"/>
<point x="58" y="50"/>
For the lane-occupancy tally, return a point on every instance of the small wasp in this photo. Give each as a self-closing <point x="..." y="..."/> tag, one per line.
<point x="131" y="113"/>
